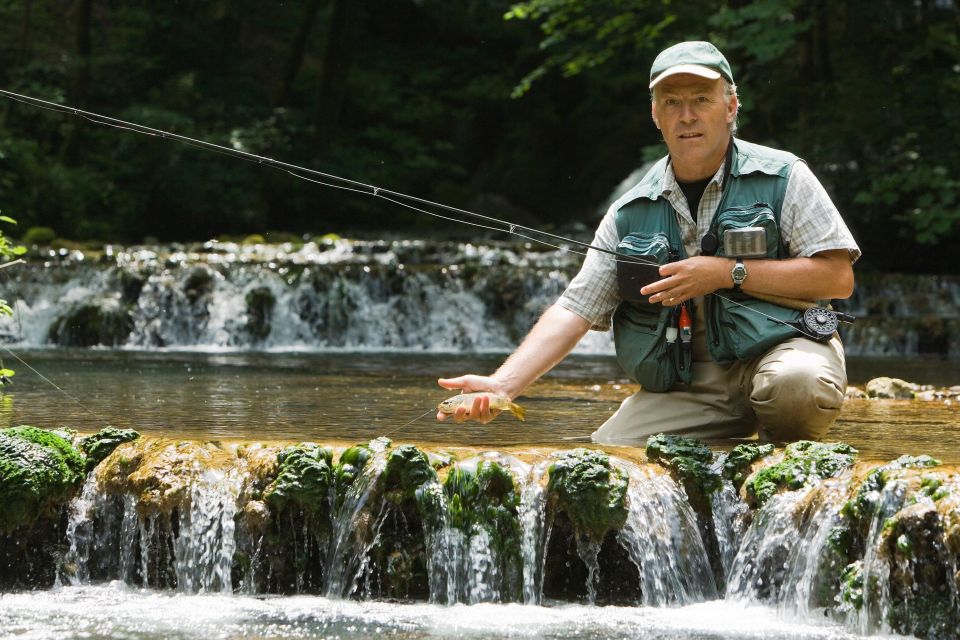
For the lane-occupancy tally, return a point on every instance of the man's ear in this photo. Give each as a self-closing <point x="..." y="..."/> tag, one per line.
<point x="732" y="107"/>
<point x="653" y="113"/>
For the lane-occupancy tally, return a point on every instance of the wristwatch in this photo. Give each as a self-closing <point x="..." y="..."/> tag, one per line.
<point x="738" y="273"/>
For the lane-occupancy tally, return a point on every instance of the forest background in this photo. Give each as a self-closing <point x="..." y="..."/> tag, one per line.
<point x="529" y="111"/>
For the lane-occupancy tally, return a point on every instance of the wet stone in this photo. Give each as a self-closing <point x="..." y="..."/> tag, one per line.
<point x="584" y="485"/>
<point x="803" y="463"/>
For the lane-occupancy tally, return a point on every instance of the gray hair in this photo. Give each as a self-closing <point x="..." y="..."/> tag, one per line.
<point x="730" y="91"/>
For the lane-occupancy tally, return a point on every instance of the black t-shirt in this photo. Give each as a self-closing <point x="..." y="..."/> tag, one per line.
<point x="693" y="192"/>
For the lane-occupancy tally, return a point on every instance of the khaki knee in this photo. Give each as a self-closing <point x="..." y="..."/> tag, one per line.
<point x="794" y="400"/>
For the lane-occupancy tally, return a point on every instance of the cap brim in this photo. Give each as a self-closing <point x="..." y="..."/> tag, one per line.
<point x="694" y="69"/>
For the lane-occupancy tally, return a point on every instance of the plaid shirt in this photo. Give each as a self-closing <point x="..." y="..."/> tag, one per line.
<point x="809" y="224"/>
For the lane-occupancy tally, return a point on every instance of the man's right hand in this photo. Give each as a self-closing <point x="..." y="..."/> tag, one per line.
<point x="480" y="411"/>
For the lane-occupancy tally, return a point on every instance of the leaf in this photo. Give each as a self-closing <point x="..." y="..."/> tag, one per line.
<point x="7" y="219"/>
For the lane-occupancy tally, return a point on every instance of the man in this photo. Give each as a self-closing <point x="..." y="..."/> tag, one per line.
<point x="737" y="377"/>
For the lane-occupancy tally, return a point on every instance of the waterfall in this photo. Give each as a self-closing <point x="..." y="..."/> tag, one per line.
<point x="396" y="295"/>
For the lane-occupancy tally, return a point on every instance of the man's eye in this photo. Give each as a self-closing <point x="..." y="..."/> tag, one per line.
<point x="703" y="99"/>
<point x="672" y="102"/>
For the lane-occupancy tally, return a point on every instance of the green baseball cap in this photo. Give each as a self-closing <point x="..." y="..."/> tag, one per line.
<point x="699" y="58"/>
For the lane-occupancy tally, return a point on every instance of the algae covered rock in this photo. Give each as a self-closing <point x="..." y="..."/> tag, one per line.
<point x="803" y="462"/>
<point x="737" y="465"/>
<point x="304" y="478"/>
<point x="409" y="475"/>
<point x="38" y="471"/>
<point x="101" y="444"/>
<point x="860" y="509"/>
<point x="105" y="322"/>
<point x="349" y="466"/>
<point x="483" y="502"/>
<point x="589" y="490"/>
<point x="690" y="460"/>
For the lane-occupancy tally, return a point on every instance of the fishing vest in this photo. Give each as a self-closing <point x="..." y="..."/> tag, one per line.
<point x="647" y="226"/>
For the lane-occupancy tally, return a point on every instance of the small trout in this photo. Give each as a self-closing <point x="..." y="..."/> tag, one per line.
<point x="499" y="402"/>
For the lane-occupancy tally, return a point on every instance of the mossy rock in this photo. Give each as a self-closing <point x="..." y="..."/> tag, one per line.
<point x="482" y="496"/>
<point x="690" y="460"/>
<point x="304" y="479"/>
<point x="804" y="462"/>
<point x="101" y="444"/>
<point x="39" y="470"/>
<point x="737" y="465"/>
<point x="260" y="302"/>
<point x="349" y="466"/>
<point x="408" y="475"/>
<point x="860" y="509"/>
<point x="584" y="485"/>
<point x="105" y="323"/>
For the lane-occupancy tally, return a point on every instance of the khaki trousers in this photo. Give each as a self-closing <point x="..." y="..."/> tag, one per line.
<point x="792" y="392"/>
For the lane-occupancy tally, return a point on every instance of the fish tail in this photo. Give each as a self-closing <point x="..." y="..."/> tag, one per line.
<point x="517" y="410"/>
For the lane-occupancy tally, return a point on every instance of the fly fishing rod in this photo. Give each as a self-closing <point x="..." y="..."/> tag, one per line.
<point x="816" y="330"/>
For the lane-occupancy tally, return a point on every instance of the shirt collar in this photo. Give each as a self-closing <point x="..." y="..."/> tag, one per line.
<point x="670" y="180"/>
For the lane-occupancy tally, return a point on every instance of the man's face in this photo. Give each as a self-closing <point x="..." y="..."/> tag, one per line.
<point x="694" y="116"/>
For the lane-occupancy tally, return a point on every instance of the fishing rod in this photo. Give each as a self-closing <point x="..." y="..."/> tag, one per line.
<point x="813" y="327"/>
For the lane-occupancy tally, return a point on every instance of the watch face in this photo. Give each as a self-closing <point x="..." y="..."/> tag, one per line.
<point x="739" y="273"/>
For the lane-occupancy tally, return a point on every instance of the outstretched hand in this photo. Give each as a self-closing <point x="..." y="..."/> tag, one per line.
<point x="480" y="410"/>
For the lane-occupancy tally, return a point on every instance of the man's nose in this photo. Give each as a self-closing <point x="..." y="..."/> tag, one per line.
<point x="687" y="114"/>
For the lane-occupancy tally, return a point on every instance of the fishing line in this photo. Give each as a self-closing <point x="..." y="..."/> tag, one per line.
<point x="431" y="410"/>
<point x="358" y="187"/>
<point x="54" y="385"/>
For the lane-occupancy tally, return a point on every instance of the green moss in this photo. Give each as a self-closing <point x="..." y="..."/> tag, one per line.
<point x="304" y="478"/>
<point x="803" y="462"/>
<point x="349" y="466"/>
<point x="409" y="475"/>
<point x="592" y="493"/>
<point x="101" y="444"/>
<point x="690" y="460"/>
<point x="38" y="470"/>
<point x="737" y="464"/>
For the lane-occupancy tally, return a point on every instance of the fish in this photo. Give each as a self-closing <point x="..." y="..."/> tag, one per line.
<point x="497" y="401"/>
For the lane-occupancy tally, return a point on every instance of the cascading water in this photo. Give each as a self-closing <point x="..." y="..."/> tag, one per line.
<point x="370" y="295"/>
<point x="664" y="542"/>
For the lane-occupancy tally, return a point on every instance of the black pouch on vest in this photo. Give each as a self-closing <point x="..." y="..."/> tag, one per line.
<point x="647" y="252"/>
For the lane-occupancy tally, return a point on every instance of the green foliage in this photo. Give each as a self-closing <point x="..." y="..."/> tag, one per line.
<point x="590" y="490"/>
<point x="41" y="236"/>
<point x="425" y="108"/>
<point x="803" y="463"/>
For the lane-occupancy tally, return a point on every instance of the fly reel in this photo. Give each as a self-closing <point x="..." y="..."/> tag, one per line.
<point x="820" y="324"/>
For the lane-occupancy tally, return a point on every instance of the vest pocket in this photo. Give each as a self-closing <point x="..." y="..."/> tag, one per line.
<point x="639" y="337"/>
<point x="741" y="328"/>
<point x="759" y="214"/>
<point x="646" y="251"/>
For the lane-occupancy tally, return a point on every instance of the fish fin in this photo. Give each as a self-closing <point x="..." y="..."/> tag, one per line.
<point x="517" y="410"/>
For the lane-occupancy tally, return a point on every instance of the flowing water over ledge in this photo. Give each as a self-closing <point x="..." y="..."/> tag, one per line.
<point x="403" y="295"/>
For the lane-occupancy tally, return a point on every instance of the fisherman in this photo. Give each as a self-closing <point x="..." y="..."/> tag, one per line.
<point x="742" y="374"/>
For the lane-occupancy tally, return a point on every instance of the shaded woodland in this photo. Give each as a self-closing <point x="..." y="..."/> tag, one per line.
<point x="528" y="111"/>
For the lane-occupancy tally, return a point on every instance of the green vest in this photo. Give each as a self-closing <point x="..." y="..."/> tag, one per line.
<point x="647" y="226"/>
